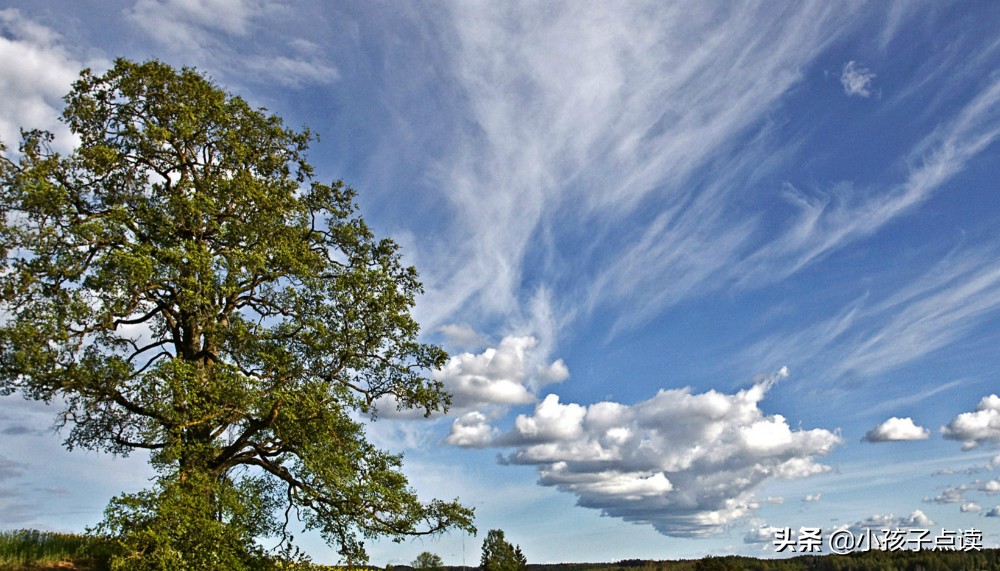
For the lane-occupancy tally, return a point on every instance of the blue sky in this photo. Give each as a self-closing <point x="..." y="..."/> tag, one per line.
<point x="704" y="269"/>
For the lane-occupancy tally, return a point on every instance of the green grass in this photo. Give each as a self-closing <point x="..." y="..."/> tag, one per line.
<point x="32" y="549"/>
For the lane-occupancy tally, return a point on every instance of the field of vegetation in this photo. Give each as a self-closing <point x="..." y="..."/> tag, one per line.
<point x="37" y="550"/>
<point x="30" y="550"/>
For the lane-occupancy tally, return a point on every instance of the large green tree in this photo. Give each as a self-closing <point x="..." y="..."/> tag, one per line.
<point x="500" y="555"/>
<point x="182" y="285"/>
<point x="428" y="561"/>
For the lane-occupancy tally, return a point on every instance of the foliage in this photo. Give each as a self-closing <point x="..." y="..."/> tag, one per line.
<point x="499" y="555"/>
<point x="428" y="561"/>
<point x="182" y="285"/>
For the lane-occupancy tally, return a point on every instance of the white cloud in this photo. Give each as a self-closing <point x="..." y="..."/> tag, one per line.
<point x="578" y="113"/>
<point x="170" y="20"/>
<point x="950" y="495"/>
<point x="685" y="463"/>
<point x="975" y="428"/>
<point x="896" y="429"/>
<point x="845" y="214"/>
<point x="763" y="535"/>
<point x="990" y="486"/>
<point x="559" y="135"/>
<point x="503" y="375"/>
<point x="813" y="497"/>
<point x="702" y="247"/>
<point x="204" y="31"/>
<point x="916" y="519"/>
<point x="551" y="421"/>
<point x="472" y="430"/>
<point x="856" y="79"/>
<point x="868" y="337"/>
<point x="971" y="507"/>
<point x="461" y="334"/>
<point x="293" y="70"/>
<point x="36" y="71"/>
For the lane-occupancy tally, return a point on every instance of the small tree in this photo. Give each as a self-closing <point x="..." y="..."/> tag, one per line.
<point x="185" y="288"/>
<point x="428" y="561"/>
<point x="499" y="555"/>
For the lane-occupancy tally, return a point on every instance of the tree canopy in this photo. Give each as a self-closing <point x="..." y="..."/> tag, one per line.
<point x="428" y="561"/>
<point x="182" y="285"/>
<point x="499" y="555"/>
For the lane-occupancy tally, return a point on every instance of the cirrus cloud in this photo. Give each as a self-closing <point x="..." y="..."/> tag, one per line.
<point x="856" y="79"/>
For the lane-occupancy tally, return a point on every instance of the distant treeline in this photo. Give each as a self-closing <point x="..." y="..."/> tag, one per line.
<point x="986" y="559"/>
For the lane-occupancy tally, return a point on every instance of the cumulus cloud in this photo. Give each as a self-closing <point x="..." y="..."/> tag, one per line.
<point x="487" y="383"/>
<point x="685" y="463"/>
<point x="503" y="375"/>
<point x="991" y="486"/>
<point x="897" y="429"/>
<point x="975" y="428"/>
<point x="971" y="507"/>
<point x="950" y="495"/>
<point x="856" y="79"/>
<point x="36" y="71"/>
<point x="472" y="430"/>
<point x="813" y="497"/>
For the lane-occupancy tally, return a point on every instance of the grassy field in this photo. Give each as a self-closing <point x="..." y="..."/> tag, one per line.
<point x="41" y="550"/>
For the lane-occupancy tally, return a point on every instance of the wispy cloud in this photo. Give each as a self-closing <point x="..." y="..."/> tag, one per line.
<point x="856" y="79"/>
<point x="204" y="33"/>
<point x="564" y="148"/>
<point x="869" y="337"/>
<point x="10" y="469"/>
<point x="578" y="115"/>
